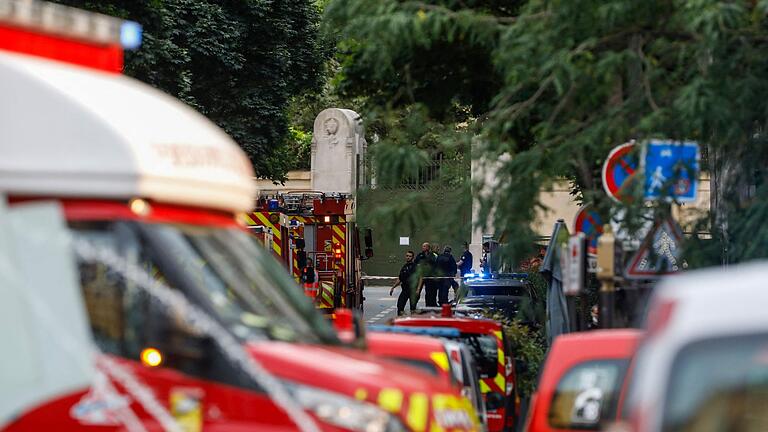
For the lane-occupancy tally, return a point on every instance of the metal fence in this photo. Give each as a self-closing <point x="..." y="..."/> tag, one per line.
<point x="437" y="174"/>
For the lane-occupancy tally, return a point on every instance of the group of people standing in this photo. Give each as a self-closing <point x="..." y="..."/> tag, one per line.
<point x="432" y="272"/>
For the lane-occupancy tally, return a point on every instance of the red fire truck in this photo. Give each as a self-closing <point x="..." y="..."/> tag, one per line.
<point x="196" y="327"/>
<point x="319" y="225"/>
<point x="495" y="360"/>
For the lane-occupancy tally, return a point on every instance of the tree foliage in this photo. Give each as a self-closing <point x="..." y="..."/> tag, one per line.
<point x="557" y="83"/>
<point x="238" y="62"/>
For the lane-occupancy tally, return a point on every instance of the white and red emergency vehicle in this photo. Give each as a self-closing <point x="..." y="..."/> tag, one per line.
<point x="151" y="192"/>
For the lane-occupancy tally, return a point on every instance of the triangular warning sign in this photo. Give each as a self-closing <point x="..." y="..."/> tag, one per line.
<point x="660" y="253"/>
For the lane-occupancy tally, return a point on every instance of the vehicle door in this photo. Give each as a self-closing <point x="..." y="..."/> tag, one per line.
<point x="472" y="382"/>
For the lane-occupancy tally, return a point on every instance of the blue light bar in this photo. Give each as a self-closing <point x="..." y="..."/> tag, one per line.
<point x="476" y="276"/>
<point x="130" y="35"/>
<point x="424" y="331"/>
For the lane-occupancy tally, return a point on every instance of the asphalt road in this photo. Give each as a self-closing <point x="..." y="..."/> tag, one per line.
<point x="379" y="306"/>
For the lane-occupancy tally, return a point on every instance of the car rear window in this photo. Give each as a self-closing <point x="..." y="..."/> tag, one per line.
<point x="719" y="384"/>
<point x="586" y="395"/>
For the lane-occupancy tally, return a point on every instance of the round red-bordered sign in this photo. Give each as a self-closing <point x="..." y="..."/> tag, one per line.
<point x="589" y="222"/>
<point x="618" y="168"/>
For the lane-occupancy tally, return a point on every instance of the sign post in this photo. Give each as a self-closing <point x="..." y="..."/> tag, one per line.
<point x="606" y="250"/>
<point x="575" y="269"/>
<point x="573" y="265"/>
<point x="671" y="170"/>
<point x="618" y="169"/>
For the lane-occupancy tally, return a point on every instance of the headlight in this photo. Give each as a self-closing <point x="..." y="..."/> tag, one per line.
<point x="343" y="411"/>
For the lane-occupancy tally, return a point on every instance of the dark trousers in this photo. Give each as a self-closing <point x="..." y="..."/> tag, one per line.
<point x="442" y="295"/>
<point x="430" y="294"/>
<point x="406" y="295"/>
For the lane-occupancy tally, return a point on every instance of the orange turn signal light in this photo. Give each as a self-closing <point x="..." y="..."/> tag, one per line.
<point x="151" y="357"/>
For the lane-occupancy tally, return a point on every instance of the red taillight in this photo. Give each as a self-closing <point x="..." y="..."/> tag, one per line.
<point x="659" y="316"/>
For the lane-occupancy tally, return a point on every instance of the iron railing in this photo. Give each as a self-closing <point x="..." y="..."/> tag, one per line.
<point x="436" y="174"/>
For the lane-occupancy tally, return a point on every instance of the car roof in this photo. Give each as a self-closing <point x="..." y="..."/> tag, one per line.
<point x="109" y="136"/>
<point x="467" y="325"/>
<point x="717" y="301"/>
<point x="581" y="346"/>
<point x="403" y="345"/>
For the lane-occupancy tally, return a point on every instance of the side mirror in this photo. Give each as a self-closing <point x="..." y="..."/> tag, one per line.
<point x="349" y="327"/>
<point x="368" y="243"/>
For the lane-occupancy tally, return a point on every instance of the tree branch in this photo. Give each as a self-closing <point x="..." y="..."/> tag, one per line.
<point x="454" y="14"/>
<point x="561" y="105"/>
<point x="646" y="80"/>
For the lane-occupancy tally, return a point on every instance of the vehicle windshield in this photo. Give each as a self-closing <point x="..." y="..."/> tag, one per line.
<point x="719" y="384"/>
<point x="223" y="270"/>
<point x="586" y="395"/>
<point x="483" y="347"/>
<point x="423" y="365"/>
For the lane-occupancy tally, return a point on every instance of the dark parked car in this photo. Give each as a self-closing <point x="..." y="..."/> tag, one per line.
<point x="510" y="294"/>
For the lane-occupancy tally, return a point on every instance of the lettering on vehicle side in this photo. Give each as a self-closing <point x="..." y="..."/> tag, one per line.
<point x="189" y="156"/>
<point x="453" y="419"/>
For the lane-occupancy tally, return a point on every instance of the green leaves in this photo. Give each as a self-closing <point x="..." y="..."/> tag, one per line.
<point x="550" y="86"/>
<point x="238" y="62"/>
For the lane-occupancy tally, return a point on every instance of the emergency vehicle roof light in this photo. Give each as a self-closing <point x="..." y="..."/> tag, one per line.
<point x="424" y="331"/>
<point x="52" y="18"/>
<point x="130" y="35"/>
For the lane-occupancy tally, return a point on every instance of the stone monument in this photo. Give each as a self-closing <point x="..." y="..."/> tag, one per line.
<point x="338" y="151"/>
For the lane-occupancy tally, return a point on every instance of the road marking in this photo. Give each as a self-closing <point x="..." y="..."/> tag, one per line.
<point x="381" y="315"/>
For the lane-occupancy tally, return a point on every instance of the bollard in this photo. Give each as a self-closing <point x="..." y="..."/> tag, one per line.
<point x="605" y="272"/>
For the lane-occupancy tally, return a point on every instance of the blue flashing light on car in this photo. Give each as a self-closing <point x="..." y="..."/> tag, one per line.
<point x="423" y="331"/>
<point x="130" y="35"/>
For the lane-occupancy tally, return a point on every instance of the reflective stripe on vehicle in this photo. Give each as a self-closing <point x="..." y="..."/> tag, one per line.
<point x="441" y="360"/>
<point x="325" y="301"/>
<point x="391" y="399"/>
<point x="418" y="409"/>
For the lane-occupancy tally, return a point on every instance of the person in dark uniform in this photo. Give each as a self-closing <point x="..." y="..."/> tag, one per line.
<point x="301" y="255"/>
<point x="407" y="285"/>
<point x="465" y="262"/>
<point x="446" y="267"/>
<point x="426" y="262"/>
<point x="308" y="273"/>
